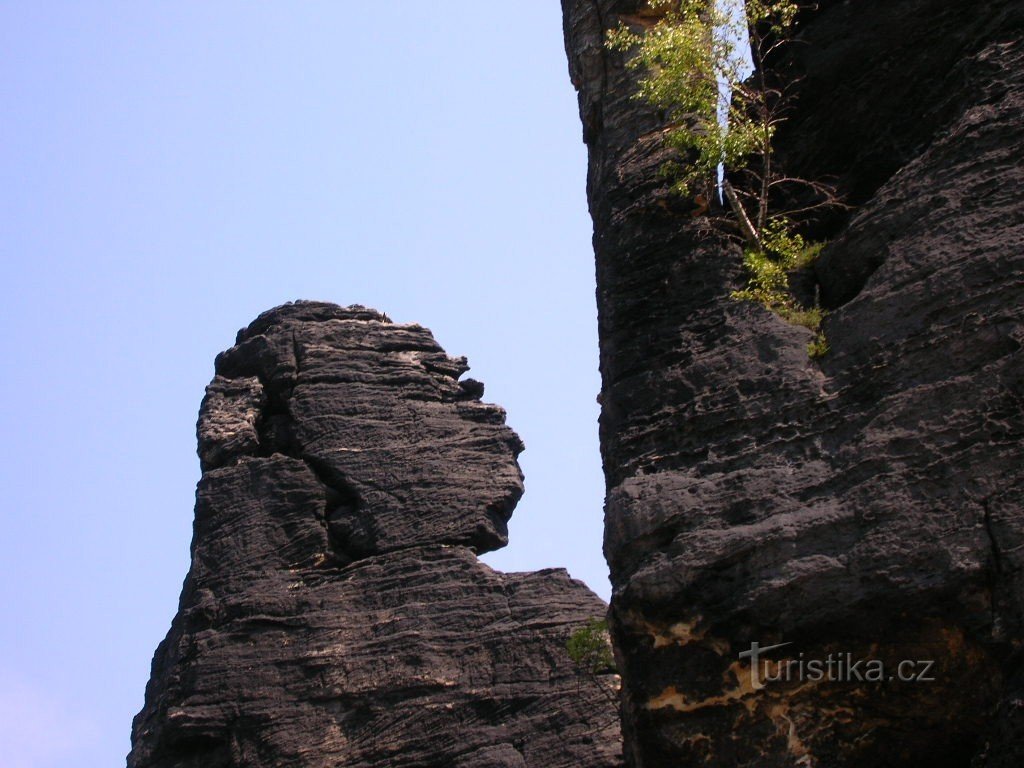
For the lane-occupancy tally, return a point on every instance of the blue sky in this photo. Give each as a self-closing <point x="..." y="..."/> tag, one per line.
<point x="171" y="169"/>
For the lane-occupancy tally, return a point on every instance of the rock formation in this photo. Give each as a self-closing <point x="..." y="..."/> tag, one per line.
<point x="336" y="613"/>
<point x="868" y="503"/>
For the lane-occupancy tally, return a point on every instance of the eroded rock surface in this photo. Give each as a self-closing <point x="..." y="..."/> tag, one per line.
<point x="871" y="503"/>
<point x="335" y="613"/>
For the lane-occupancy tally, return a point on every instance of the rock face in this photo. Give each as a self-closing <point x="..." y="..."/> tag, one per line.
<point x="335" y="613"/>
<point x="869" y="503"/>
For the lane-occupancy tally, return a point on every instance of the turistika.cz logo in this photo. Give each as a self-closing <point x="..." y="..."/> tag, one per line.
<point x="837" y="667"/>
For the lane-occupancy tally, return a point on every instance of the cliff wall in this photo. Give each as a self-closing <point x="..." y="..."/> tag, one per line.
<point x="869" y="502"/>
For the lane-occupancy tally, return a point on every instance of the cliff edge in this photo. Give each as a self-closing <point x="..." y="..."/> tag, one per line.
<point x="867" y="505"/>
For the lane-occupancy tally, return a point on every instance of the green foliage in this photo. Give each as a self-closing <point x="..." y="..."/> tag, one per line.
<point x="807" y="254"/>
<point x="687" y="56"/>
<point x="768" y="268"/>
<point x="818" y="347"/>
<point x="808" y="318"/>
<point x="590" y="648"/>
<point x="768" y="282"/>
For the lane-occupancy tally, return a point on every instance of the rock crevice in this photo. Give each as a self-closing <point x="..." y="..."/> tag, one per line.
<point x="754" y="495"/>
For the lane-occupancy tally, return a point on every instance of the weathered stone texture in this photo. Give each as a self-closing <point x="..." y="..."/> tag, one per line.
<point x="868" y="503"/>
<point x="335" y="613"/>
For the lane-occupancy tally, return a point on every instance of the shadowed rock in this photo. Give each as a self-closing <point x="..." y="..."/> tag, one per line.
<point x="335" y="613"/>
<point x="868" y="504"/>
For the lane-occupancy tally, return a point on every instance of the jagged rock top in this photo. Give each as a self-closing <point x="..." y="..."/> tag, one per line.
<point x="308" y="312"/>
<point x="335" y="612"/>
<point x="408" y="452"/>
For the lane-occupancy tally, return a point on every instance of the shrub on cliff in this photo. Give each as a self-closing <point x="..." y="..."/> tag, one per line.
<point x="722" y="121"/>
<point x="590" y="648"/>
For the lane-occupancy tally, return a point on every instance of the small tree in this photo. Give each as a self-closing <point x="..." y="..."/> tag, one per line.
<point x="720" y="118"/>
<point x="590" y="648"/>
<point x="690" y="60"/>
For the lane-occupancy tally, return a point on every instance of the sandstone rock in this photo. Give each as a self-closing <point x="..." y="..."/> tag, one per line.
<point x="335" y="613"/>
<point x="427" y="463"/>
<point x="870" y="503"/>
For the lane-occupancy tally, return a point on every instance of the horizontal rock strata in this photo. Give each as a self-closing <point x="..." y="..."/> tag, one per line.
<point x="871" y="502"/>
<point x="336" y="613"/>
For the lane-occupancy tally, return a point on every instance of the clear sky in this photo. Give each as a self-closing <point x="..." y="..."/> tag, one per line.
<point x="171" y="169"/>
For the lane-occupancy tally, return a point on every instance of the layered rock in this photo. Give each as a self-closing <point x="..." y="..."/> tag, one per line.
<point x="868" y="503"/>
<point x="335" y="613"/>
